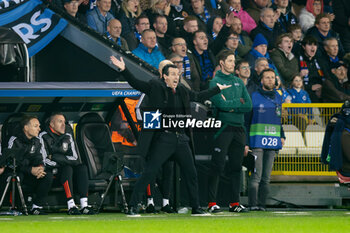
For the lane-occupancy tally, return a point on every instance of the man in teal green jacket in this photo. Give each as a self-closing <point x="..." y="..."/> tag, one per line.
<point x="230" y="107"/>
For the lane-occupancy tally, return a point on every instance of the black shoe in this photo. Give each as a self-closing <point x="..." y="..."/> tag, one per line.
<point x="37" y="211"/>
<point x="261" y="208"/>
<point x="88" y="210"/>
<point x="199" y="212"/>
<point x="132" y="211"/>
<point x="151" y="209"/>
<point x="74" y="211"/>
<point x="238" y="209"/>
<point x="167" y="209"/>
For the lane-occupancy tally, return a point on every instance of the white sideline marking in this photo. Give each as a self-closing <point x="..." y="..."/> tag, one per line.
<point x="145" y="216"/>
<point x="71" y="217"/>
<point x="225" y="215"/>
<point x="292" y="213"/>
<point x="347" y="213"/>
<point x="6" y="219"/>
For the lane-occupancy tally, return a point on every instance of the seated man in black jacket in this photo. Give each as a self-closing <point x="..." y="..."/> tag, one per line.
<point x="31" y="169"/>
<point x="59" y="151"/>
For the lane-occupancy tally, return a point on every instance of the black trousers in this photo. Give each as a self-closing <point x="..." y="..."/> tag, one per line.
<point x="77" y="175"/>
<point x="231" y="142"/>
<point x="164" y="146"/>
<point x="164" y="180"/>
<point x="39" y="188"/>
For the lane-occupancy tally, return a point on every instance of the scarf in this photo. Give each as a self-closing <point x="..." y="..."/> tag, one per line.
<point x="138" y="36"/>
<point x="187" y="68"/>
<point x="206" y="14"/>
<point x="214" y="35"/>
<point x="303" y="66"/>
<point x="119" y="42"/>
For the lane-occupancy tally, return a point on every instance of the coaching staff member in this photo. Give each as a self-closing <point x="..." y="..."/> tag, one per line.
<point x="169" y="97"/>
<point x="31" y="167"/>
<point x="59" y="151"/>
<point x="230" y="139"/>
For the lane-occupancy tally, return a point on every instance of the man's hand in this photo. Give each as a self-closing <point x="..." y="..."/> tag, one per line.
<point x="246" y="150"/>
<point x="2" y="169"/>
<point x="118" y="63"/>
<point x="38" y="172"/>
<point x="282" y="141"/>
<point x="222" y="87"/>
<point x="241" y="100"/>
<point x="304" y="72"/>
<point x="229" y="19"/>
<point x="316" y="87"/>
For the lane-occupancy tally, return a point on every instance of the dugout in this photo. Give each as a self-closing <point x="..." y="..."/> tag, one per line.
<point x="74" y="100"/>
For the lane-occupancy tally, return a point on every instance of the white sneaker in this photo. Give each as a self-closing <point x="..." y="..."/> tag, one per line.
<point x="214" y="209"/>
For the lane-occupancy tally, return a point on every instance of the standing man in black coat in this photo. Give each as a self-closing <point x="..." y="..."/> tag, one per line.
<point x="169" y="97"/>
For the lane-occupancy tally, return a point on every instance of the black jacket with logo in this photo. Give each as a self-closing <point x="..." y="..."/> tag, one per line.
<point x="58" y="150"/>
<point x="29" y="151"/>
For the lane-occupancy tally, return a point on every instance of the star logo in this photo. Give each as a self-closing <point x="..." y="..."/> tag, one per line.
<point x="151" y="120"/>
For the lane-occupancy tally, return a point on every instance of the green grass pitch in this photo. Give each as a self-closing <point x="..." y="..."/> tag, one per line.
<point x="269" y="222"/>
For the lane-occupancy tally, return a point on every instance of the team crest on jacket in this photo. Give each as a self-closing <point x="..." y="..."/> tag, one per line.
<point x="32" y="150"/>
<point x="65" y="146"/>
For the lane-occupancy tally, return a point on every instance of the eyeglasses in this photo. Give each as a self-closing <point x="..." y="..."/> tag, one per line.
<point x="245" y="67"/>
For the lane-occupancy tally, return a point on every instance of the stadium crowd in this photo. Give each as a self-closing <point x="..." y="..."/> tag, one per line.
<point x="269" y="51"/>
<point x="306" y="38"/>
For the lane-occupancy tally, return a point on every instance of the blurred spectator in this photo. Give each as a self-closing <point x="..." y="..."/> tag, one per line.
<point x="254" y="81"/>
<point x="242" y="70"/>
<point x="205" y="11"/>
<point x="248" y="22"/>
<point x="308" y="14"/>
<point x="178" y="13"/>
<point x="301" y="116"/>
<point x="204" y="58"/>
<point x="336" y="87"/>
<point x="147" y="49"/>
<point x="160" y="26"/>
<point x="190" y="26"/>
<point x="245" y="43"/>
<point x="267" y="27"/>
<point x="114" y="30"/>
<point x="281" y="90"/>
<point x="297" y="35"/>
<point x="259" y="49"/>
<point x="189" y="68"/>
<point x="130" y="10"/>
<point x="322" y="30"/>
<point x="310" y="69"/>
<point x="115" y="7"/>
<point x="286" y="17"/>
<point x="341" y="22"/>
<point x="178" y="61"/>
<point x="231" y="44"/>
<point x="297" y="92"/>
<point x="99" y="17"/>
<point x="71" y="7"/>
<point x="134" y="38"/>
<point x="255" y="9"/>
<point x="331" y="49"/>
<point x="157" y="7"/>
<point x="283" y="58"/>
<point x="214" y="26"/>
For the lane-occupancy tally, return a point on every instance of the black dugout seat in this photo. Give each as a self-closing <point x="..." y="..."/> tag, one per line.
<point x="10" y="128"/>
<point x="94" y="141"/>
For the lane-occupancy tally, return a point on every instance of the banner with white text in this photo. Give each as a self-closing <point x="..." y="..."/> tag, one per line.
<point x="32" y="21"/>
